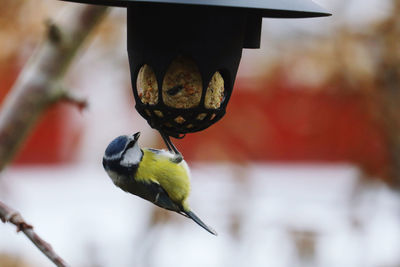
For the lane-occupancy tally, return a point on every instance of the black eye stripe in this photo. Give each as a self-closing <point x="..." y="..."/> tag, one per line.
<point x="131" y="144"/>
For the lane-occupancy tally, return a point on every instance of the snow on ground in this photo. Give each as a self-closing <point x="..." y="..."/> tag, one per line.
<point x="266" y="215"/>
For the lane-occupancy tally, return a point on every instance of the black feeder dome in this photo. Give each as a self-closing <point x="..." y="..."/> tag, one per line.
<point x="205" y="36"/>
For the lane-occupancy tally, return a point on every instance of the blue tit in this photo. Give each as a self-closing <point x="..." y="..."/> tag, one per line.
<point x="156" y="175"/>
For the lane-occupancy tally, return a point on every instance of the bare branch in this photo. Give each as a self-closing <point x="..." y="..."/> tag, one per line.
<point x="64" y="95"/>
<point x="37" y="85"/>
<point x="53" y="32"/>
<point x="8" y="214"/>
<point x="78" y="101"/>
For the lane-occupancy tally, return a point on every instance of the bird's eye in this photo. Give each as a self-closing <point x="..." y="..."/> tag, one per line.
<point x="116" y="146"/>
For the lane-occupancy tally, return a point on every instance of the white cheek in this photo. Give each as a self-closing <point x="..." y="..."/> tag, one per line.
<point x="132" y="156"/>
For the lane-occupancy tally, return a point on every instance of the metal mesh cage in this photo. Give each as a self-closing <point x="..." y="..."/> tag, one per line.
<point x="212" y="37"/>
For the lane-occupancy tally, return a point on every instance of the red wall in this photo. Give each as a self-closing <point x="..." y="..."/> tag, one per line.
<point x="278" y="123"/>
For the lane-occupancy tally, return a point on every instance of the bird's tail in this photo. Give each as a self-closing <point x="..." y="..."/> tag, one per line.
<point x="197" y="220"/>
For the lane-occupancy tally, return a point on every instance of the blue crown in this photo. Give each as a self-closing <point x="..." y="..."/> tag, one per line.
<point x="116" y="146"/>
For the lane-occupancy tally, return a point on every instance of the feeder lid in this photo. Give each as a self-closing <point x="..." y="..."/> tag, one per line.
<point x="266" y="8"/>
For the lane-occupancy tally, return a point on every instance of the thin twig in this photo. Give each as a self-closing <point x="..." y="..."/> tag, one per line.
<point x="78" y="101"/>
<point x="67" y="96"/>
<point x="10" y="215"/>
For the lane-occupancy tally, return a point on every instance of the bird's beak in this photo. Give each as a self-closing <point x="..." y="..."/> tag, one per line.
<point x="136" y="136"/>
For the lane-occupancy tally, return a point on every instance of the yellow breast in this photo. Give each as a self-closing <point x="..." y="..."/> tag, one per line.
<point x="158" y="168"/>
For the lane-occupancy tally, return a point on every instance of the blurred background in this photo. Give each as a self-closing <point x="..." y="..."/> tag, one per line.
<point x="303" y="170"/>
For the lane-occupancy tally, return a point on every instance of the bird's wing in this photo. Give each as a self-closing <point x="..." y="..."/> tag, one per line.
<point x="161" y="197"/>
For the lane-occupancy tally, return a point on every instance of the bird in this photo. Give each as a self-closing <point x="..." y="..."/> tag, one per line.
<point x="155" y="175"/>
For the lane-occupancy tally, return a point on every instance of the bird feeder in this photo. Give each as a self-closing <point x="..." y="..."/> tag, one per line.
<point x="184" y="54"/>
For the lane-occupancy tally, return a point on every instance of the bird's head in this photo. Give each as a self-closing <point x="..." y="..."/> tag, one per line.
<point x="122" y="153"/>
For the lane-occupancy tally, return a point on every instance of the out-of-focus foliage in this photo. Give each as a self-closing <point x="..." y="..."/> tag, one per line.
<point x="365" y="62"/>
<point x="23" y="24"/>
<point x="7" y="260"/>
